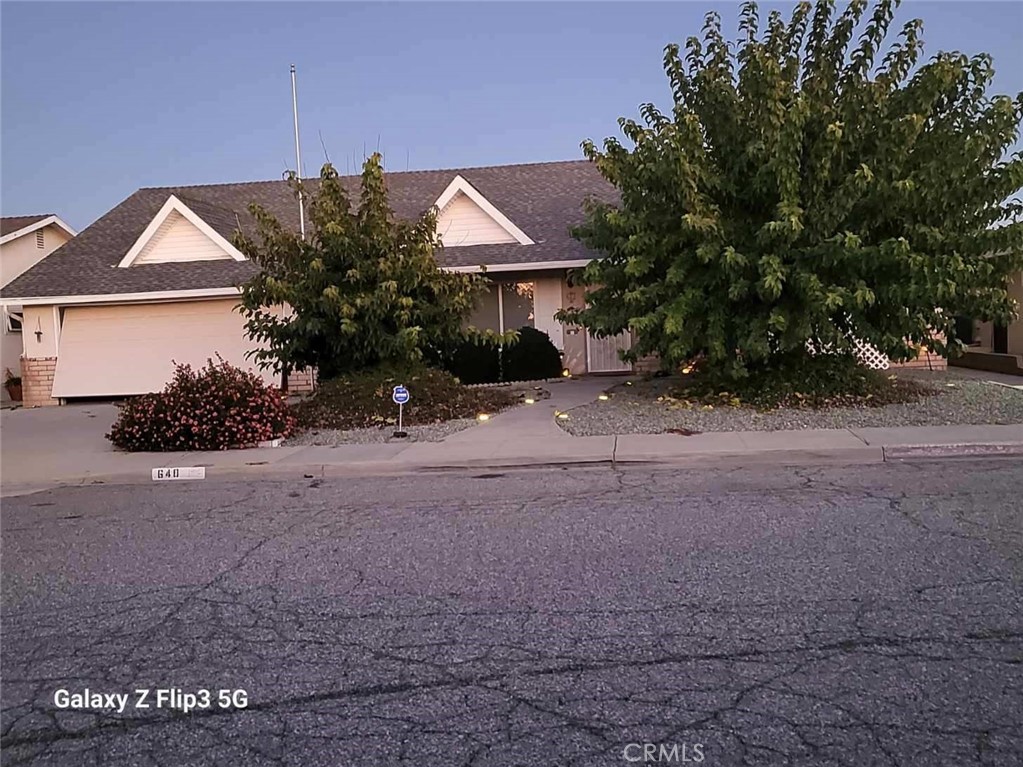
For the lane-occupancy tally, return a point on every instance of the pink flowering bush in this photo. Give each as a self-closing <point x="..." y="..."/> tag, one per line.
<point x="215" y="408"/>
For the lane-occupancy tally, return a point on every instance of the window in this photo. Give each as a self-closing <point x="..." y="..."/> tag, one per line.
<point x="12" y="321"/>
<point x="40" y="239"/>
<point x="488" y="313"/>
<point x="505" y="306"/>
<point x="517" y="302"/>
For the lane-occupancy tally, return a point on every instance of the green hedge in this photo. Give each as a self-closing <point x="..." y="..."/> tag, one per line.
<point x="475" y="363"/>
<point x="532" y="357"/>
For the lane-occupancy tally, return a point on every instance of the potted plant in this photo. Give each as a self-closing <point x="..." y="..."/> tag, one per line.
<point x="13" y="385"/>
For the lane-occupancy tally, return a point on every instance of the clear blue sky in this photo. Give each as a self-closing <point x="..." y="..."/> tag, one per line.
<point x="99" y="99"/>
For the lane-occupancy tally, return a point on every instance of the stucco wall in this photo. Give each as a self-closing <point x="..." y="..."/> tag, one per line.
<point x="10" y="351"/>
<point x="18" y="256"/>
<point x="10" y="358"/>
<point x="43" y="344"/>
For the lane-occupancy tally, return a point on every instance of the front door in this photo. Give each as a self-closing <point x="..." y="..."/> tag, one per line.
<point x="1000" y="339"/>
<point x="602" y="353"/>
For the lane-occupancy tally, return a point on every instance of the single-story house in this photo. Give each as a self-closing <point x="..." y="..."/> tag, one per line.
<point x="156" y="280"/>
<point x="24" y="242"/>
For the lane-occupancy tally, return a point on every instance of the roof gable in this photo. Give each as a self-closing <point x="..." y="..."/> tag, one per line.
<point x="462" y="222"/>
<point x="177" y="234"/>
<point x="544" y="200"/>
<point x="13" y="227"/>
<point x="468" y="218"/>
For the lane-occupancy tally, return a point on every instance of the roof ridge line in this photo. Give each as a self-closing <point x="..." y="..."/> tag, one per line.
<point x="356" y="175"/>
<point x="186" y="199"/>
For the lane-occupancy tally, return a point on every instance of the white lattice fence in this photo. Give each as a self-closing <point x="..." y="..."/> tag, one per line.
<point x="867" y="355"/>
<point x="870" y="357"/>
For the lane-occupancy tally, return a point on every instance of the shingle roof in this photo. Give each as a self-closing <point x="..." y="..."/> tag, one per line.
<point x="10" y="224"/>
<point x="543" y="199"/>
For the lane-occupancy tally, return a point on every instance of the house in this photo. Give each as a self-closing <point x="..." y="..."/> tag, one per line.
<point x="996" y="347"/>
<point x="156" y="280"/>
<point x="24" y="242"/>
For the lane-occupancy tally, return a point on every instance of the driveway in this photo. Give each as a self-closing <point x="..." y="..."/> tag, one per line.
<point x="42" y="447"/>
<point x="826" y="616"/>
<point x="41" y="443"/>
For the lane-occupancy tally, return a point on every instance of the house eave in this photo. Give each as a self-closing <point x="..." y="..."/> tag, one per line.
<point x="122" y="298"/>
<point x="523" y="266"/>
<point x="40" y="224"/>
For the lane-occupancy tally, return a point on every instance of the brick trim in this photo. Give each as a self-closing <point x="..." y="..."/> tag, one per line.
<point x="37" y="381"/>
<point x="651" y="363"/>
<point x="302" y="382"/>
<point x="925" y="360"/>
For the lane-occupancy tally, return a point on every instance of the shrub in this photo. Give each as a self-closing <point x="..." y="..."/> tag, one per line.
<point x="823" y="381"/>
<point x="215" y="408"/>
<point x="473" y="362"/>
<point x="363" y="399"/>
<point x="534" y="356"/>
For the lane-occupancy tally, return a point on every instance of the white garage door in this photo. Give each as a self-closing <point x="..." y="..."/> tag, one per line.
<point x="107" y="351"/>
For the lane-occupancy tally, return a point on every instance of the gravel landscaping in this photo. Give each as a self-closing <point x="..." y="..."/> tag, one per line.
<point x="956" y="399"/>
<point x="433" y="432"/>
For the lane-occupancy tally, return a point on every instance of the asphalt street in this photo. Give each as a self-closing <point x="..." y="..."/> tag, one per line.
<point x="861" y="615"/>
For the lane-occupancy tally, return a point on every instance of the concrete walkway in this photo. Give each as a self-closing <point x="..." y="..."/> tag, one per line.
<point x="61" y="446"/>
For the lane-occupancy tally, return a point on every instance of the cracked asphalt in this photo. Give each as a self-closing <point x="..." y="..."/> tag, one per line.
<point x="863" y="615"/>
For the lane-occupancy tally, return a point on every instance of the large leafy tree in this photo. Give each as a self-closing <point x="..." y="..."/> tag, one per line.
<point x="363" y="289"/>
<point x="805" y="191"/>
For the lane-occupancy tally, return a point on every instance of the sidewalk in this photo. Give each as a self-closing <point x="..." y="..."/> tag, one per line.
<point x="65" y="446"/>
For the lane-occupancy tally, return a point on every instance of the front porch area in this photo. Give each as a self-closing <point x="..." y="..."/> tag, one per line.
<point x="531" y="299"/>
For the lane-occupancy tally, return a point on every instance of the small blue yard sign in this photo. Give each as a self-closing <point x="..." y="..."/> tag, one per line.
<point x="400" y="395"/>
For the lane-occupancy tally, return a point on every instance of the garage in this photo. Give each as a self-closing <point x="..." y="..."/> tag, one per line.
<point x="111" y="351"/>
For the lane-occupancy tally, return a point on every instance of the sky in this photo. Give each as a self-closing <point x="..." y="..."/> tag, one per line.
<point x="98" y="99"/>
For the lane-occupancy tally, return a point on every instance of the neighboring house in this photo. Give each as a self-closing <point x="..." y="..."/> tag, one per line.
<point x="997" y="347"/>
<point x="155" y="280"/>
<point x="24" y="242"/>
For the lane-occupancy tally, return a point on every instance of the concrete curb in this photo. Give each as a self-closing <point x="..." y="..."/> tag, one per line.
<point x="711" y="459"/>
<point x="966" y="450"/>
<point x="781" y="457"/>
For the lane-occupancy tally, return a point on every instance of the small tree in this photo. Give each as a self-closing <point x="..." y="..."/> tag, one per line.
<point x="363" y="289"/>
<point x="803" y="191"/>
